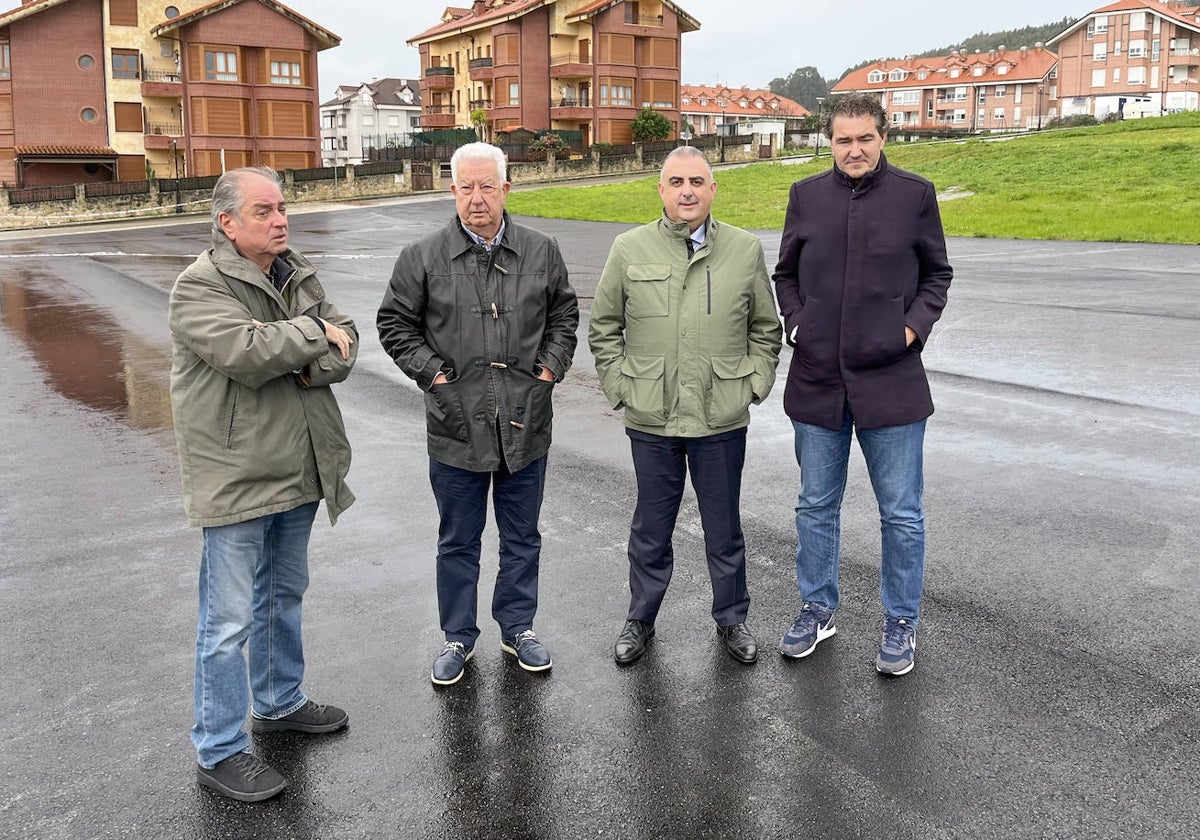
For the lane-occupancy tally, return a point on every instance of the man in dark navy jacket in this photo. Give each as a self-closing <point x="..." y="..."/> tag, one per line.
<point x="861" y="280"/>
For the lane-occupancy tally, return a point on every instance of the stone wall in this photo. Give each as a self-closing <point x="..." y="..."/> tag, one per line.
<point x="349" y="184"/>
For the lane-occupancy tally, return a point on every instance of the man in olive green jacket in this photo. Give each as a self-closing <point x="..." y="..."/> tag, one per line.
<point x="261" y="442"/>
<point x="686" y="336"/>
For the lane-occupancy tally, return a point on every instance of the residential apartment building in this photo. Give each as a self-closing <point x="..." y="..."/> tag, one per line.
<point x="1000" y="90"/>
<point x="1134" y="57"/>
<point x="574" y="65"/>
<point x="116" y="90"/>
<point x="717" y="109"/>
<point x="372" y="115"/>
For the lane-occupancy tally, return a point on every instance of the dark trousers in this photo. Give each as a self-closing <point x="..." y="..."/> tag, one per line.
<point x="661" y="465"/>
<point x="462" y="505"/>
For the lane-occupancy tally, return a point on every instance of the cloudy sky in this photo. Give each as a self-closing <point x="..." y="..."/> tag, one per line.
<point x="740" y="42"/>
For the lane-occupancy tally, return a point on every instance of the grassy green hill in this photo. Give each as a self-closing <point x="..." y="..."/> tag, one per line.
<point x="1135" y="181"/>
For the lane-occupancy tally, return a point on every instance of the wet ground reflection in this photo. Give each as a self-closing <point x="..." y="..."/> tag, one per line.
<point x="88" y="357"/>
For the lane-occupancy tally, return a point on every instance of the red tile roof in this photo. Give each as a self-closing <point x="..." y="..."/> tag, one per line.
<point x="733" y="97"/>
<point x="65" y="151"/>
<point x="455" y="19"/>
<point x="325" y="38"/>
<point x="1023" y="65"/>
<point x="1185" y="15"/>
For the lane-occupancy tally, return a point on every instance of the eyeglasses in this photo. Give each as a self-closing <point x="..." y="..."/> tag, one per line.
<point x="484" y="189"/>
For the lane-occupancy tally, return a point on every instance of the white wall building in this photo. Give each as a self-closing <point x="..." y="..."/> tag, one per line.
<point x="374" y="114"/>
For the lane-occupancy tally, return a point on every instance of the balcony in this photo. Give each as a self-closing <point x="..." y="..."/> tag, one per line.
<point x="571" y="66"/>
<point x="481" y="104"/>
<point x="438" y="78"/>
<point x="162" y="83"/>
<point x="438" y="116"/>
<point x="480" y="69"/>
<point x="161" y="135"/>
<point x="570" y="108"/>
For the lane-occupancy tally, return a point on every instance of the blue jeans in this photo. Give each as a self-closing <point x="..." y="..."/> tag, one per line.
<point x="462" y="507"/>
<point x="252" y="580"/>
<point x="894" y="463"/>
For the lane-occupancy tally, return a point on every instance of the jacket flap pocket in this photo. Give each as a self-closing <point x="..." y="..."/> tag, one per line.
<point x="643" y="367"/>
<point x="648" y="271"/>
<point x="732" y="367"/>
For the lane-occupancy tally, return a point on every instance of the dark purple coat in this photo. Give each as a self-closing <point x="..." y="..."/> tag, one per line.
<point x="857" y="263"/>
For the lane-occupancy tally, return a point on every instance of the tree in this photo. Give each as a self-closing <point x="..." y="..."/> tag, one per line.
<point x="479" y="120"/>
<point x="651" y="125"/>
<point x="803" y="86"/>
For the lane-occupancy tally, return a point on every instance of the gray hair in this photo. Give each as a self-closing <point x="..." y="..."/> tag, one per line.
<point x="857" y="105"/>
<point x="479" y="153"/>
<point x="227" y="195"/>
<point x="686" y="152"/>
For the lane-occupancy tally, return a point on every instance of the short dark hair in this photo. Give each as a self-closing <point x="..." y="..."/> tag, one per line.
<point x="857" y="105"/>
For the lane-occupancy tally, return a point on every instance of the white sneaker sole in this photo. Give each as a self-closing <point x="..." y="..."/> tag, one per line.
<point x="823" y="633"/>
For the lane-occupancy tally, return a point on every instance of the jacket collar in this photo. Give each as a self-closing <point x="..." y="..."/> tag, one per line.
<point x="865" y="182"/>
<point x="679" y="230"/>
<point x="228" y="261"/>
<point x="465" y="243"/>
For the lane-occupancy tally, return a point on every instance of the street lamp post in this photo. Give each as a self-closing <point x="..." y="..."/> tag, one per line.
<point x="175" y="157"/>
<point x="820" y="127"/>
<point x="1041" y="90"/>
<point x="722" y="134"/>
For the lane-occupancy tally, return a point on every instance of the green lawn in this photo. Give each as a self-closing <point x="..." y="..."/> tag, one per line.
<point x="1136" y="181"/>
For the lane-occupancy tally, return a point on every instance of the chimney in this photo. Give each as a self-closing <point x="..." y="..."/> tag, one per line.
<point x="479" y="7"/>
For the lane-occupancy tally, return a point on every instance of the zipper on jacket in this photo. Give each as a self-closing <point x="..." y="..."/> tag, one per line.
<point x="708" y="271"/>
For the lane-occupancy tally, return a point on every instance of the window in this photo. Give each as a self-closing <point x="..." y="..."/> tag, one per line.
<point x="875" y="77"/>
<point x="508" y="49"/>
<point x="1116" y="48"/>
<point x="88" y="115"/>
<point x="514" y="93"/>
<point x="1116" y="75"/>
<point x="906" y="97"/>
<point x="393" y="121"/>
<point x="85" y="61"/>
<point x="955" y="72"/>
<point x="616" y="92"/>
<point x="220" y="66"/>
<point x="1098" y="78"/>
<point x="922" y="74"/>
<point x="977" y="70"/>
<point x="1137" y="49"/>
<point x="368" y="121"/>
<point x="1155" y="48"/>
<point x="998" y="115"/>
<point x="981" y="96"/>
<point x="6" y="62"/>
<point x="615" y="49"/>
<point x="170" y="13"/>
<point x="897" y="75"/>
<point x="1100" y="52"/>
<point x="1137" y="21"/>
<point x="659" y="52"/>
<point x="286" y="73"/>
<point x="1001" y="69"/>
<point x="125" y="64"/>
<point x="123" y="12"/>
<point x="1001" y="91"/>
<point x="127" y="116"/>
<point x="1101" y="22"/>
<point x="1137" y="76"/>
<point x="897" y="118"/>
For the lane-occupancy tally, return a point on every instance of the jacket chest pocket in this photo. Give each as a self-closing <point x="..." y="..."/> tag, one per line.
<point x="648" y="290"/>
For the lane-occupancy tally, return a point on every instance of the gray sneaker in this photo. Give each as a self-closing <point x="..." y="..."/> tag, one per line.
<point x="813" y="625"/>
<point x="243" y="777"/>
<point x="314" y="718"/>
<point x="898" y="649"/>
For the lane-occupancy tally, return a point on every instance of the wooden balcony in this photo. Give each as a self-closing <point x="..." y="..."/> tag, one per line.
<point x="438" y="78"/>
<point x="480" y="69"/>
<point x="162" y="83"/>
<point x="570" y="108"/>
<point x="438" y="116"/>
<point x="571" y="66"/>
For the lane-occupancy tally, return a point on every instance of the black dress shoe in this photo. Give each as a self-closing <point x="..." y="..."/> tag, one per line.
<point x="740" y="642"/>
<point x="631" y="644"/>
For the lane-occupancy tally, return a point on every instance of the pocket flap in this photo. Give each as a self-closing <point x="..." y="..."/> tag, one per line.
<point x="643" y="367"/>
<point x="648" y="271"/>
<point x="732" y="367"/>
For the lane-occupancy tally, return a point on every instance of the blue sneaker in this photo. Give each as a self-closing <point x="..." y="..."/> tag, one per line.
<point x="448" y="667"/>
<point x="898" y="649"/>
<point x="812" y="626"/>
<point x="531" y="654"/>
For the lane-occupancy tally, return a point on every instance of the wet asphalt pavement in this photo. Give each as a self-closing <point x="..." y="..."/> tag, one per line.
<point x="1055" y="693"/>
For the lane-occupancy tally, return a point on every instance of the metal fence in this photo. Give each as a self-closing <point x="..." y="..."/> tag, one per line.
<point x="384" y="167"/>
<point x="325" y="173"/>
<point x="32" y="195"/>
<point x="104" y="188"/>
<point x="206" y="182"/>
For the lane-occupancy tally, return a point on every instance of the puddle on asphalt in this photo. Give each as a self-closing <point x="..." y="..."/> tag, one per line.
<point x="89" y="358"/>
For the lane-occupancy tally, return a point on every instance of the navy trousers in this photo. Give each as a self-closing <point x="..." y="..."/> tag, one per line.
<point x="661" y="465"/>
<point x="462" y="505"/>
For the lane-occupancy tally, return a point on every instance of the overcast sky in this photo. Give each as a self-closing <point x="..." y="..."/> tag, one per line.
<point x="740" y="42"/>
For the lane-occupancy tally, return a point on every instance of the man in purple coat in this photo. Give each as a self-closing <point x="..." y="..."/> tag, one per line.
<point x="861" y="280"/>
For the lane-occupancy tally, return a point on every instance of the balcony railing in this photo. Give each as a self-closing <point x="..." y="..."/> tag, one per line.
<point x="439" y="109"/>
<point x="479" y="63"/>
<point x="572" y="102"/>
<point x="485" y="104"/>
<point x="438" y="71"/>
<point x="169" y="129"/>
<point x="161" y="76"/>
<point x="642" y="20"/>
<point x="568" y="58"/>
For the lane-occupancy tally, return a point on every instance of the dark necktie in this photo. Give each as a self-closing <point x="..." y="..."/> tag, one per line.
<point x="691" y="246"/>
